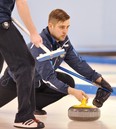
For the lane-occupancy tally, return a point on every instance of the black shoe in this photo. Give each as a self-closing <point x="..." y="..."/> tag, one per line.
<point x="40" y="112"/>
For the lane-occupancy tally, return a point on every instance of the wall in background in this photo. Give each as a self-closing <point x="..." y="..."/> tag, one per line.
<point x="93" y="22"/>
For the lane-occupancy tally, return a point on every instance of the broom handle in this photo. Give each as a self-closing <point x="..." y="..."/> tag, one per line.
<point x="80" y="77"/>
<point x="27" y="32"/>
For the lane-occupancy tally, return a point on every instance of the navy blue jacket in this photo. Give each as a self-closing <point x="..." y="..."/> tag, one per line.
<point x="6" y="7"/>
<point x="46" y="70"/>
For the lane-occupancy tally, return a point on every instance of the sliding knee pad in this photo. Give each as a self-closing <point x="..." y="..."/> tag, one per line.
<point x="101" y="96"/>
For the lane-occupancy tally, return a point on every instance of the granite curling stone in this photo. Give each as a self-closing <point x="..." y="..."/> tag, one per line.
<point x="83" y="112"/>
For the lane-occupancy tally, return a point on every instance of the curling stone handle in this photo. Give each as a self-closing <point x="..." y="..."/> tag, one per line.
<point x="84" y="102"/>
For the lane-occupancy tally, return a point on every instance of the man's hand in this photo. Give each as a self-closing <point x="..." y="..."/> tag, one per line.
<point x="36" y="39"/>
<point x="101" y="96"/>
<point x="79" y="94"/>
<point x="102" y="93"/>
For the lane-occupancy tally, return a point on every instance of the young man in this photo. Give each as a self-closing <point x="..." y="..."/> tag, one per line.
<point x="14" y="51"/>
<point x="50" y="84"/>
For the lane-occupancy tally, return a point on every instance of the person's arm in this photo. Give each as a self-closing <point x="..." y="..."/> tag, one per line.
<point x="79" y="94"/>
<point x="25" y="15"/>
<point x="74" y="60"/>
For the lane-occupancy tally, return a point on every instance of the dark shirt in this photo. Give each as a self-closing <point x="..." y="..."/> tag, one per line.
<point x="6" y="8"/>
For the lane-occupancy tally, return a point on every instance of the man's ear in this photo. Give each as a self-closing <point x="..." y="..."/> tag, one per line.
<point x="50" y="25"/>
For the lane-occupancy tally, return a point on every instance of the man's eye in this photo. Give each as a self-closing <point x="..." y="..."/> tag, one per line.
<point x="62" y="27"/>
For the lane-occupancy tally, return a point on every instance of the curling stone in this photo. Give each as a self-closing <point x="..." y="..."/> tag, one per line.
<point x="83" y="112"/>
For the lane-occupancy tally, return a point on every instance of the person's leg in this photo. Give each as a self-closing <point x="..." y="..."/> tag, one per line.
<point x="21" y="64"/>
<point x="46" y="95"/>
<point x="7" y="89"/>
<point x="1" y="62"/>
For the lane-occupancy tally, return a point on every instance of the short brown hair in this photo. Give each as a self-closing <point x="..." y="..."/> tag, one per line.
<point x="58" y="15"/>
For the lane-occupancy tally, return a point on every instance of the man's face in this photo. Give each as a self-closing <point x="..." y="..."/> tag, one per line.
<point x="59" y="30"/>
